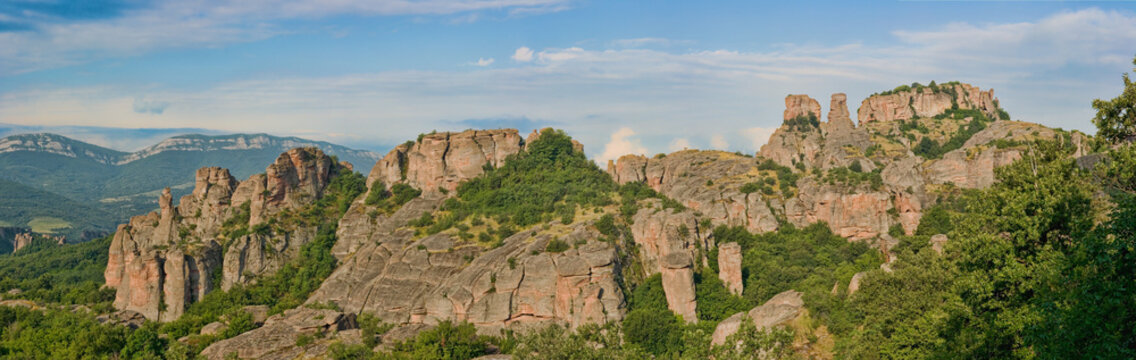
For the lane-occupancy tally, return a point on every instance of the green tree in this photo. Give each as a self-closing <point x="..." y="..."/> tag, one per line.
<point x="1116" y="118"/>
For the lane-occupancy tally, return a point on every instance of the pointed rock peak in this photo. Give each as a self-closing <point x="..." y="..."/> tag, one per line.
<point x="838" y="115"/>
<point x="801" y="106"/>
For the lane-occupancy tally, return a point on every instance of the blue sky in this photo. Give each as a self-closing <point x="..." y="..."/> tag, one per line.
<point x="621" y="76"/>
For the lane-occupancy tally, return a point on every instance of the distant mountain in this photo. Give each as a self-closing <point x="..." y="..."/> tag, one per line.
<point x="121" y="184"/>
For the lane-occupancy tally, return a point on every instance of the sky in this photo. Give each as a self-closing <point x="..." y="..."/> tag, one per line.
<point x="620" y="76"/>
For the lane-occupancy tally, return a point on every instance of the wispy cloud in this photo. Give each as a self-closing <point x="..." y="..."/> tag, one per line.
<point x="52" y="37"/>
<point x="484" y="62"/>
<point x="662" y="95"/>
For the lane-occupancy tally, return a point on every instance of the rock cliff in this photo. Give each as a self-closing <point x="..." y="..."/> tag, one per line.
<point x="162" y="261"/>
<point x="442" y="160"/>
<point x="924" y="101"/>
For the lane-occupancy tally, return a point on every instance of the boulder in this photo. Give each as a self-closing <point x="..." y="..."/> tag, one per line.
<point x="214" y="328"/>
<point x="854" y="284"/>
<point x="779" y="310"/>
<point x="280" y="335"/>
<point x="937" y="242"/>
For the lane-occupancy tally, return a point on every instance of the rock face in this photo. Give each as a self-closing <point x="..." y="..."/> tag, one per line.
<point x="926" y="102"/>
<point x="779" y="310"/>
<point x="730" y="266"/>
<point x="684" y="176"/>
<point x="442" y="160"/>
<point x="278" y="338"/>
<point x="516" y="286"/>
<point x="857" y="213"/>
<point x="160" y="262"/>
<point x="801" y="106"/>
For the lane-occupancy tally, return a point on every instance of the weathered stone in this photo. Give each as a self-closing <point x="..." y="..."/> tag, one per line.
<point x="730" y="266"/>
<point x="854" y="284"/>
<point x="937" y="242"/>
<point x="214" y="328"/>
<point x="779" y="310"/>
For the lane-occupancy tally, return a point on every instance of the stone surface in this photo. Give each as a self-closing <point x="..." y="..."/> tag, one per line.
<point x="167" y="255"/>
<point x="937" y="242"/>
<point x="214" y="328"/>
<point x="277" y="339"/>
<point x="854" y="284"/>
<point x="926" y="103"/>
<point x="730" y="266"/>
<point x="482" y="286"/>
<point x="779" y="310"/>
<point x="442" y="160"/>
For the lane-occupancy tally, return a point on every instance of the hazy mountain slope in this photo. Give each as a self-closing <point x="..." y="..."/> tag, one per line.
<point x="117" y="184"/>
<point x="21" y="204"/>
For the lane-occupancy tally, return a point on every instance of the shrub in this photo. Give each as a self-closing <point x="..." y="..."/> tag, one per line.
<point x="556" y="246"/>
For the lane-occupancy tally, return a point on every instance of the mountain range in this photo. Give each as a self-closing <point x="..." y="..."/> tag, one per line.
<point x="54" y="173"/>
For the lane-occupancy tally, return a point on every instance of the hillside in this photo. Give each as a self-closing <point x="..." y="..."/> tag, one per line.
<point x="837" y="240"/>
<point x="48" y="213"/>
<point x="119" y="184"/>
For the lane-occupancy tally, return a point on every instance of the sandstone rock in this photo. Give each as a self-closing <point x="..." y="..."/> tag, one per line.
<point x="21" y="241"/>
<point x="937" y="242"/>
<point x="277" y="339"/>
<point x="730" y="266"/>
<point x="852" y="213"/>
<point x="925" y="103"/>
<point x="467" y="283"/>
<point x="854" y="284"/>
<point x="131" y="319"/>
<point x="678" y="284"/>
<point x="214" y="328"/>
<point x="801" y="105"/>
<point x="443" y="160"/>
<point x="779" y="310"/>
<point x="168" y="255"/>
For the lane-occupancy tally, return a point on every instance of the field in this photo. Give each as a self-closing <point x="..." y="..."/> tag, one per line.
<point x="45" y="224"/>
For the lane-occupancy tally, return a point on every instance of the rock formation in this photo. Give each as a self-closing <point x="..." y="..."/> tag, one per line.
<point x="779" y="310"/>
<point x="442" y="160"/>
<point x="927" y="102"/>
<point x="516" y="285"/>
<point x="278" y="338"/>
<point x="937" y="242"/>
<point x="730" y="266"/>
<point x="160" y="262"/>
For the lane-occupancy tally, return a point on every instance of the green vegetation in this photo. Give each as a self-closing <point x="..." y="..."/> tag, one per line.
<point x="48" y="225"/>
<point x="786" y="178"/>
<point x="803" y="123"/>
<point x="50" y="273"/>
<point x="25" y="206"/>
<point x="850" y="176"/>
<point x="1116" y="118"/>
<point x="930" y="149"/>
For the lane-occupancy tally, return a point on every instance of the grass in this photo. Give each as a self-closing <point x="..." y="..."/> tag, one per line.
<point x="47" y="225"/>
<point x="5" y="223"/>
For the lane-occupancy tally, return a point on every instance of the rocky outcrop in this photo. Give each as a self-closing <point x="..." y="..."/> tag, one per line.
<point x="516" y="286"/>
<point x="937" y="242"/>
<point x="685" y="175"/>
<point x="678" y="285"/>
<point x="278" y="338"/>
<point x="801" y="106"/>
<point x="927" y="102"/>
<point x="851" y="212"/>
<point x="160" y="262"/>
<point x="779" y="310"/>
<point x="21" y="241"/>
<point x="800" y="136"/>
<point x="854" y="284"/>
<point x="730" y="266"/>
<point x="443" y="160"/>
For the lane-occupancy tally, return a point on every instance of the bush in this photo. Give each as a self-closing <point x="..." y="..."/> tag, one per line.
<point x="556" y="246"/>
<point x="658" y="332"/>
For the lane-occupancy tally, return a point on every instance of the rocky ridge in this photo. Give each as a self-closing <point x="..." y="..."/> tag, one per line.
<point x="161" y="262"/>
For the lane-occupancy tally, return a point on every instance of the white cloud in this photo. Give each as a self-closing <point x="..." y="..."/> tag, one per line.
<point x="758" y="136"/>
<point x="207" y="23"/>
<point x="621" y="144"/>
<point x="719" y="142"/>
<point x="679" y="144"/>
<point x="484" y="62"/>
<point x="523" y="54"/>
<point x="664" y="94"/>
